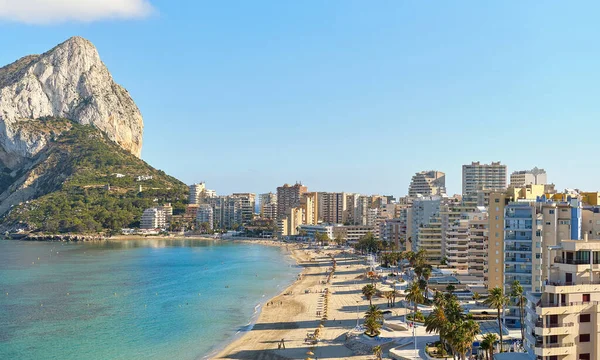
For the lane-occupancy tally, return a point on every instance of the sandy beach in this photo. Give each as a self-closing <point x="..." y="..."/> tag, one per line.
<point x="298" y="311"/>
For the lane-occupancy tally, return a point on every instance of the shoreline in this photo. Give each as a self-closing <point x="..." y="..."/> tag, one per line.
<point x="227" y="348"/>
<point x="220" y="350"/>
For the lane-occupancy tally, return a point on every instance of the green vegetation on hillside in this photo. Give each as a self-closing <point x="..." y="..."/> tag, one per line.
<point x="92" y="197"/>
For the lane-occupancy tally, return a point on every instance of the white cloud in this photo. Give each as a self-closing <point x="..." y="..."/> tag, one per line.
<point x="57" y="11"/>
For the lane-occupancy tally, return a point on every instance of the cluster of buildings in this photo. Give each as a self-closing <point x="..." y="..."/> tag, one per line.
<point x="501" y="228"/>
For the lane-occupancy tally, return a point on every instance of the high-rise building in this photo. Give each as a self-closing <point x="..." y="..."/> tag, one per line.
<point x="530" y="229"/>
<point x="205" y="215"/>
<point x="196" y="191"/>
<point x="310" y="208"/>
<point x="534" y="176"/>
<point x="248" y="204"/>
<point x="422" y="210"/>
<point x="562" y="319"/>
<point x="483" y="176"/>
<point x="288" y="197"/>
<point x="332" y="207"/>
<point x="429" y="238"/>
<point x="265" y="200"/>
<point x="427" y="183"/>
<point x="478" y="243"/>
<point x="456" y="245"/>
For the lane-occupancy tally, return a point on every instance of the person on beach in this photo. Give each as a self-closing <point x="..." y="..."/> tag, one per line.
<point x="283" y="344"/>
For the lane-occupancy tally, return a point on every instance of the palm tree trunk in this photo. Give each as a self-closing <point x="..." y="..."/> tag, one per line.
<point x="521" y="318"/>
<point x="500" y="329"/>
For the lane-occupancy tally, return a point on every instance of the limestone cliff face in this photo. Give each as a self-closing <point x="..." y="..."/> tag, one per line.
<point x="69" y="81"/>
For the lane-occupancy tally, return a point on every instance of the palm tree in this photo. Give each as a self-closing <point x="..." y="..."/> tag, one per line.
<point x="414" y="294"/>
<point x="369" y="291"/>
<point x="450" y="288"/>
<point x="373" y="316"/>
<point x="437" y="321"/>
<point x="487" y="344"/>
<point x="516" y="291"/>
<point x="388" y="295"/>
<point x="377" y="352"/>
<point x="497" y="300"/>
<point x="463" y="335"/>
<point x="426" y="275"/>
<point x="476" y="296"/>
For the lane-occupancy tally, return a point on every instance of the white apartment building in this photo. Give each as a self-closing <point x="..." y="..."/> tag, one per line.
<point x="422" y="210"/>
<point x="153" y="218"/>
<point x="427" y="183"/>
<point x="196" y="192"/>
<point x="312" y="230"/>
<point x="477" y="176"/>
<point x="534" y="176"/>
<point x="352" y="233"/>
<point x="248" y="205"/>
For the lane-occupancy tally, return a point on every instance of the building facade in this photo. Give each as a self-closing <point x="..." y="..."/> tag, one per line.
<point x="205" y="215"/>
<point x="288" y="197"/>
<point x="477" y="176"/>
<point x="427" y="183"/>
<point x="562" y="320"/>
<point x="534" y="176"/>
<point x="422" y="210"/>
<point x="153" y="218"/>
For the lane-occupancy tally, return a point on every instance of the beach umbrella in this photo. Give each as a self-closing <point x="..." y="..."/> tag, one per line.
<point x="309" y="353"/>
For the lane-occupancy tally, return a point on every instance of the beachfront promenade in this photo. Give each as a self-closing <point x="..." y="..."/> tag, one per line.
<point x="293" y="316"/>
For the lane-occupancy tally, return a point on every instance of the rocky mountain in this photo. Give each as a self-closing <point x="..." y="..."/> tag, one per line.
<point x="70" y="142"/>
<point x="69" y="81"/>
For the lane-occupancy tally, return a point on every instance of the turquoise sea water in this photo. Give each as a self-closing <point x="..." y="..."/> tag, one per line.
<point x="139" y="299"/>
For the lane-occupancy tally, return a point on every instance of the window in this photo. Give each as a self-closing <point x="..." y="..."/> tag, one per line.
<point x="583" y="318"/>
<point x="584" y="356"/>
<point x="585" y="297"/>
<point x="497" y="201"/>
<point x="497" y="217"/>
<point x="538" y="256"/>
<point x="584" y="337"/>
<point x="547" y="222"/>
<point x="551" y="212"/>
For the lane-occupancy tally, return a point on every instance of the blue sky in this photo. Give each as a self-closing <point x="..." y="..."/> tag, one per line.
<point x="347" y="95"/>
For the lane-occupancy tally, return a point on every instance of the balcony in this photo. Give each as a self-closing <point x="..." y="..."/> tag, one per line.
<point x="545" y="308"/>
<point x="517" y="248"/>
<point x="554" y="349"/>
<point x="584" y="286"/>
<point x="516" y="271"/>
<point x="553" y="329"/>
<point x="517" y="259"/>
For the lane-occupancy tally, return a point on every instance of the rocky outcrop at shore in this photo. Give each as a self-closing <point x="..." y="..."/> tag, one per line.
<point x="65" y="237"/>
